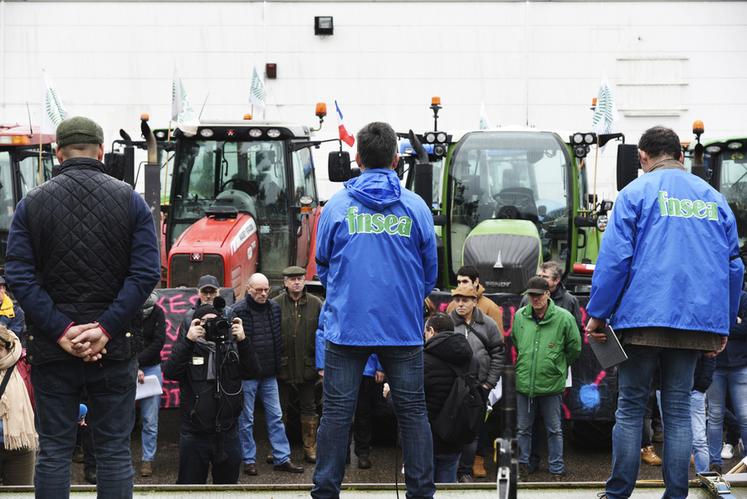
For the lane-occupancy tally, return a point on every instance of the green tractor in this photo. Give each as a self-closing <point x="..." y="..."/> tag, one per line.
<point x="723" y="164"/>
<point x="505" y="200"/>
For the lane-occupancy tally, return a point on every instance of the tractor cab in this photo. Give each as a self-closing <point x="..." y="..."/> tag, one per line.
<point x="26" y="160"/>
<point x="723" y="164"/>
<point x="241" y="195"/>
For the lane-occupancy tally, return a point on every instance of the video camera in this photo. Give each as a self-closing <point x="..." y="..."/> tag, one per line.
<point x="218" y="329"/>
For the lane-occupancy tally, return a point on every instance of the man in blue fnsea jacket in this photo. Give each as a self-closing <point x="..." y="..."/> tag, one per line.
<point x="668" y="279"/>
<point x="376" y="257"/>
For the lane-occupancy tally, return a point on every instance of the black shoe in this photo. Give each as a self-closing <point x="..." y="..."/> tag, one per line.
<point x="364" y="462"/>
<point x="289" y="467"/>
<point x="250" y="469"/>
<point x="558" y="477"/>
<point x="465" y="478"/>
<point x="90" y="476"/>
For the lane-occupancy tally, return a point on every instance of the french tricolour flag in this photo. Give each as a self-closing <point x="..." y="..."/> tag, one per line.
<point x="344" y="135"/>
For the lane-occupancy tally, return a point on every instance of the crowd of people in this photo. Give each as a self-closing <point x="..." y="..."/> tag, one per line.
<point x="93" y="331"/>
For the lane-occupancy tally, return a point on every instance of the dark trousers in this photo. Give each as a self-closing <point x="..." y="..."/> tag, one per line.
<point x="111" y="392"/>
<point x="16" y="466"/>
<point x="302" y="394"/>
<point x="364" y="412"/>
<point x="85" y="434"/>
<point x="198" y="451"/>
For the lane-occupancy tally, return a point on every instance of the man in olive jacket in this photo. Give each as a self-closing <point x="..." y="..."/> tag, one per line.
<point x="299" y="312"/>
<point x="547" y="341"/>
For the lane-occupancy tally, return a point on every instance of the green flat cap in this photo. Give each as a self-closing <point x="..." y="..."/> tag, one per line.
<point x="293" y="271"/>
<point x="79" y="130"/>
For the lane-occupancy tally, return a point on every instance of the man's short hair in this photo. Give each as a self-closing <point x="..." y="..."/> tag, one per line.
<point x="440" y="322"/>
<point x="660" y="141"/>
<point x="553" y="268"/>
<point x="377" y="145"/>
<point x="469" y="271"/>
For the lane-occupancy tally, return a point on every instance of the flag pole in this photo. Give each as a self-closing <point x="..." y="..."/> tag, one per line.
<point x="31" y="131"/>
<point x="168" y="161"/>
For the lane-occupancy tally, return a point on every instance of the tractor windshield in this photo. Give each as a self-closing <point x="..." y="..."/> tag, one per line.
<point x="249" y="176"/>
<point x="519" y="175"/>
<point x="30" y="175"/>
<point x="734" y="188"/>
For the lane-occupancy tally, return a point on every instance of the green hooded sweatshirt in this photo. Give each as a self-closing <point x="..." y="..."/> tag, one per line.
<point x="545" y="349"/>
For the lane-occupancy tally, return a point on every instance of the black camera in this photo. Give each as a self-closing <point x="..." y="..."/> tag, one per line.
<point x="217" y="329"/>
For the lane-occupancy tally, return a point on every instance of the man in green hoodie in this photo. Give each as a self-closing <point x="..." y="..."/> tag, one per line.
<point x="547" y="341"/>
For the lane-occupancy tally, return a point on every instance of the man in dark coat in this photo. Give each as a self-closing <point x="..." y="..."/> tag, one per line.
<point x="261" y="319"/>
<point x="149" y="364"/>
<point x="446" y="353"/>
<point x="82" y="258"/>
<point x="299" y="313"/>
<point x="209" y="371"/>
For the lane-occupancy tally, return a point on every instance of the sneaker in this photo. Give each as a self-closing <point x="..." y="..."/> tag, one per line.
<point x="146" y="469"/>
<point x="648" y="456"/>
<point x="727" y="451"/>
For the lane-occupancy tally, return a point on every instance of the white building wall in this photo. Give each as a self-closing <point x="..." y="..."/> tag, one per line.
<point x="529" y="63"/>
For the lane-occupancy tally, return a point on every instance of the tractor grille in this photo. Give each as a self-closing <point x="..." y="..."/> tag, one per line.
<point x="186" y="273"/>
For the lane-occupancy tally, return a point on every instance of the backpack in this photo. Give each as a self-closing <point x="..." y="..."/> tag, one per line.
<point x="463" y="411"/>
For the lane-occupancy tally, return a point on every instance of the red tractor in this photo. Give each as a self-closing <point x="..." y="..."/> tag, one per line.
<point x="25" y="162"/>
<point x="243" y="199"/>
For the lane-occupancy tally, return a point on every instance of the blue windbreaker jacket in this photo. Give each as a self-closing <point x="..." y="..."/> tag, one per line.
<point x="372" y="364"/>
<point x="669" y="257"/>
<point x="376" y="256"/>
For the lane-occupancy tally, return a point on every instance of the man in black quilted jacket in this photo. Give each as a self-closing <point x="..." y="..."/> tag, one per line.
<point x="82" y="258"/>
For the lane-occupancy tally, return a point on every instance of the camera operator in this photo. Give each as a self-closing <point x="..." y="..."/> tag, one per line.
<point x="209" y="361"/>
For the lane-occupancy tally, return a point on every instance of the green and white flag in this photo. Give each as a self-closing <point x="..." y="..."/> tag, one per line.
<point x="181" y="109"/>
<point x="257" y="91"/>
<point x="484" y="121"/>
<point x="53" y="110"/>
<point x="605" y="112"/>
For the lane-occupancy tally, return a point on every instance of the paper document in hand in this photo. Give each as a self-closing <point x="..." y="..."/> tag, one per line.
<point x="610" y="353"/>
<point x="149" y="387"/>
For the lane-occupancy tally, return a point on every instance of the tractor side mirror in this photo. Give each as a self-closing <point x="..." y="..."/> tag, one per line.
<point x="424" y="182"/>
<point x="114" y="164"/>
<point x="338" y="166"/>
<point x="628" y="164"/>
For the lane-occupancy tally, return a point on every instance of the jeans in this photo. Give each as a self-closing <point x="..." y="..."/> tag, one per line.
<point x="343" y="366"/>
<point x="198" y="451"/>
<point x="549" y="406"/>
<point x="634" y="381"/>
<point x="149" y="412"/>
<point x="111" y="391"/>
<point x="267" y="390"/>
<point x="445" y="468"/>
<point x="700" y="441"/>
<point x="733" y="381"/>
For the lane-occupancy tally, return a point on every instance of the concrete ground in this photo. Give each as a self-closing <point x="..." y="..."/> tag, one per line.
<point x="584" y="465"/>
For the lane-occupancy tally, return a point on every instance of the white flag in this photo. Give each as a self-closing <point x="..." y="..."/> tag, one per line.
<point x="181" y="109"/>
<point x="484" y="121"/>
<point x="605" y="112"/>
<point x="257" y="92"/>
<point x="53" y="110"/>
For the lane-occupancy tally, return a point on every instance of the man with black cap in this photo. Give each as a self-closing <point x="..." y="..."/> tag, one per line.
<point x="209" y="369"/>
<point x="82" y="258"/>
<point x="208" y="288"/>
<point x="299" y="317"/>
<point x="547" y="342"/>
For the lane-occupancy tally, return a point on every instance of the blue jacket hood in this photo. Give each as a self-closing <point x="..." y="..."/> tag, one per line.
<point x="376" y="188"/>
